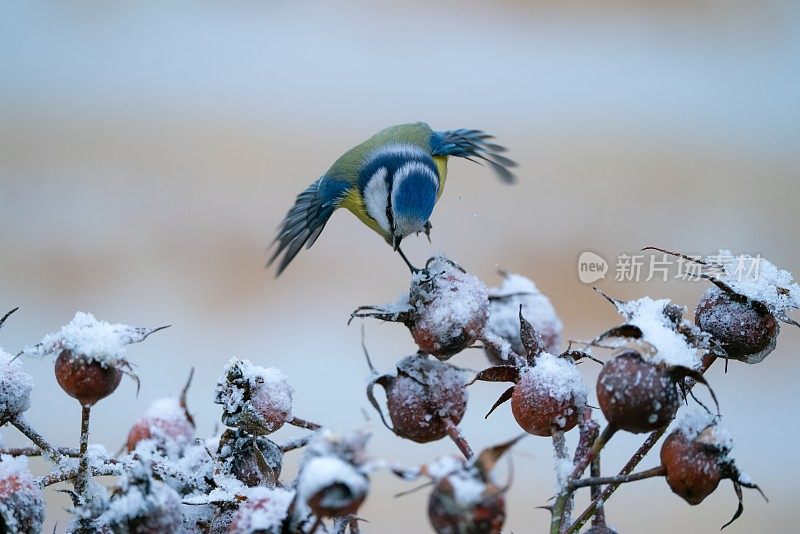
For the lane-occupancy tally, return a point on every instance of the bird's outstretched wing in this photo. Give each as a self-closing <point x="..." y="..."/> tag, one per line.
<point x="305" y="220"/>
<point x="469" y="144"/>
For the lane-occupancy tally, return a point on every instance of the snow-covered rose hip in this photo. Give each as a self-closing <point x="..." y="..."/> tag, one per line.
<point x="504" y="308"/>
<point x="143" y="505"/>
<point x="167" y="424"/>
<point x="424" y="398"/>
<point x="21" y="499"/>
<point x="265" y="511"/>
<point x="90" y="361"/>
<point x="446" y="308"/>
<point x="254" y="398"/>
<point x="742" y="311"/>
<point x="15" y="387"/>
<point x="548" y="394"/>
<point x="636" y="395"/>
<point x="465" y="499"/>
<point x="745" y="329"/>
<point x="332" y="480"/>
<point x="695" y="457"/>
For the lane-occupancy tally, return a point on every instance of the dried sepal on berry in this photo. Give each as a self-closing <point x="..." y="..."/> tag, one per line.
<point x="254" y="398"/>
<point x="446" y="308"/>
<point x="333" y="479"/>
<point x="422" y="398"/>
<point x="696" y="457"/>
<point x="90" y="361"/>
<point x="21" y="498"/>
<point x="548" y="393"/>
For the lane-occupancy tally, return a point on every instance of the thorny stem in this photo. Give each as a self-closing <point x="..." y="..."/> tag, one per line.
<point x="593" y="482"/>
<point x="302" y="423"/>
<point x="36" y="451"/>
<point x="50" y="452"/>
<point x="649" y="443"/>
<point x="600" y="516"/>
<point x="458" y="438"/>
<point x="561" y="454"/>
<point x="560" y="507"/>
<point x="82" y="479"/>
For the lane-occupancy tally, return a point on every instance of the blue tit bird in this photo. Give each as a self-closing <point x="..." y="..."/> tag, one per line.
<point x="391" y="182"/>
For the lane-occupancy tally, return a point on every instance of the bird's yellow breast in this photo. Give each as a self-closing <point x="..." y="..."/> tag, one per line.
<point x="441" y="165"/>
<point x="355" y="204"/>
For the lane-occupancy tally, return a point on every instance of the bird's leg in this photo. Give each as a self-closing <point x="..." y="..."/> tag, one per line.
<point x="427" y="229"/>
<point x="414" y="270"/>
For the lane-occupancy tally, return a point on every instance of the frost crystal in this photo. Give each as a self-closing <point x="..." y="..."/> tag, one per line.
<point x="699" y="425"/>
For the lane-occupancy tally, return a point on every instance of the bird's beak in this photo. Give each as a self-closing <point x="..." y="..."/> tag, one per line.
<point x="396" y="239"/>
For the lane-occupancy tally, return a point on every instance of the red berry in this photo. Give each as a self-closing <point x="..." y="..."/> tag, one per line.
<point x="264" y="511"/>
<point x="254" y="398"/>
<point x="424" y="394"/>
<point x="166" y="423"/>
<point x="84" y="379"/>
<point x="331" y="487"/>
<point x="462" y="502"/>
<point x="548" y="396"/>
<point x="21" y="498"/>
<point x="15" y="387"/>
<point x="636" y="395"/>
<point x="504" y="322"/>
<point x="693" y="467"/>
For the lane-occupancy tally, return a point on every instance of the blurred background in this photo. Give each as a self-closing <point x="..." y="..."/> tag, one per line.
<point x="148" y="150"/>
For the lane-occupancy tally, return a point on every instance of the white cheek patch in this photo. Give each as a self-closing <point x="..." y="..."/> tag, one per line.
<point x="376" y="198"/>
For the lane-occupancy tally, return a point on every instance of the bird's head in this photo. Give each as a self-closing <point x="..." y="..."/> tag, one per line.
<point x="400" y="197"/>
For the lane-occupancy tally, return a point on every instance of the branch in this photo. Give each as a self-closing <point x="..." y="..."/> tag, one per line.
<point x="302" y="423"/>
<point x="49" y="452"/>
<point x="458" y="438"/>
<point x="35" y="451"/>
<point x="658" y="471"/>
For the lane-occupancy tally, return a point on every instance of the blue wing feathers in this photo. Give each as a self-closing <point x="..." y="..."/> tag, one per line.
<point x="469" y="144"/>
<point x="306" y="220"/>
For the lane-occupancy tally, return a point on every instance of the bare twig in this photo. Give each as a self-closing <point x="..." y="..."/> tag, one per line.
<point x="621" y="479"/>
<point x="302" y="423"/>
<point x="50" y="452"/>
<point x="296" y="443"/>
<point x="458" y="438"/>
<point x="35" y="451"/>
